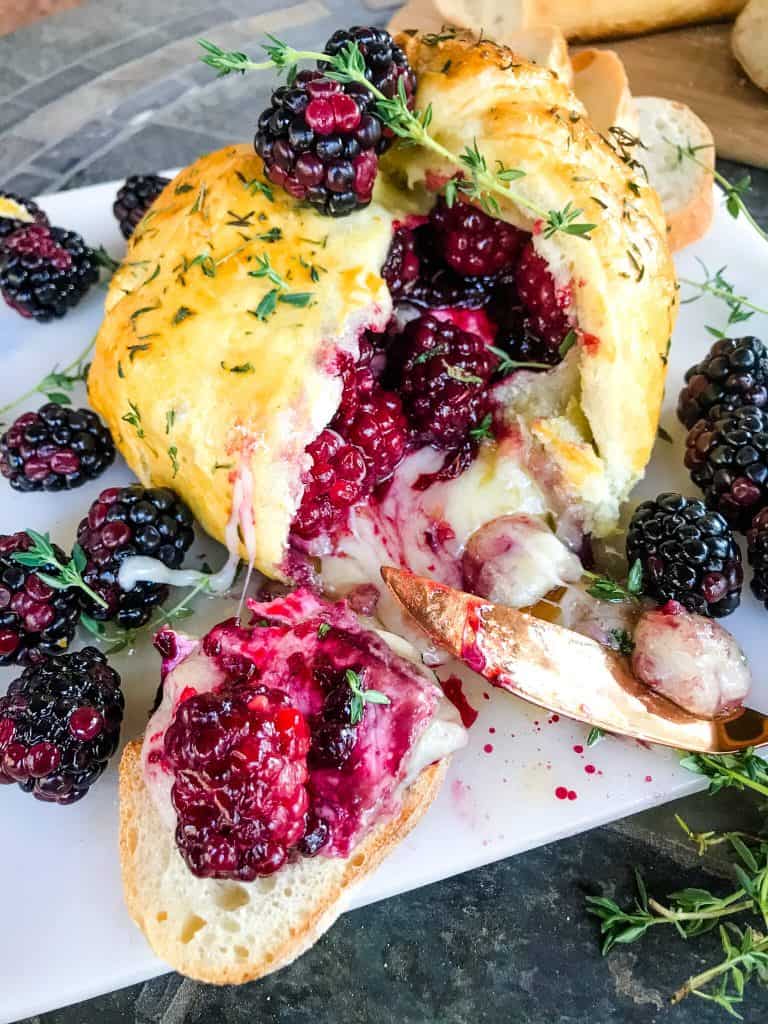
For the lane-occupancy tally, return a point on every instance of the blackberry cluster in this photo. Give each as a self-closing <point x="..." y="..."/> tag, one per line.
<point x="444" y="380"/>
<point x="360" y="450"/>
<point x="545" y="304"/>
<point x="11" y="206"/>
<point x="319" y="142"/>
<point x="35" y="619"/>
<point x="728" y="459"/>
<point x="688" y="554"/>
<point x="472" y="243"/>
<point x="134" y="199"/>
<point x="45" y="271"/>
<point x="733" y="373"/>
<point x="125" y="521"/>
<point x="320" y="139"/>
<point x="55" y="449"/>
<point x="415" y="272"/>
<point x="516" y="332"/>
<point x="239" y="756"/>
<point x="334" y="732"/>
<point x="385" y="62"/>
<point x="59" y="726"/>
<point x="757" y="555"/>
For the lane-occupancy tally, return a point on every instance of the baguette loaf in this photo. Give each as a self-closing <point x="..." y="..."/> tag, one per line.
<point x="590" y="19"/>
<point x="749" y="41"/>
<point x="226" y="933"/>
<point x="684" y="186"/>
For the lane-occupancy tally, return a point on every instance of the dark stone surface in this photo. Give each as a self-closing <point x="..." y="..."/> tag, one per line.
<point x="507" y="943"/>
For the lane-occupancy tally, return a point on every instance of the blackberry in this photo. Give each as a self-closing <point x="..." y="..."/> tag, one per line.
<point x="35" y="619"/>
<point x="239" y="757"/>
<point x="385" y="62"/>
<point x="445" y="374"/>
<point x="474" y="244"/>
<point x="45" y="271"/>
<point x="728" y="460"/>
<point x="688" y="555"/>
<point x="319" y="142"/>
<point x="55" y="449"/>
<point x="757" y="555"/>
<point x="59" y="726"/>
<point x="545" y="303"/>
<point x="516" y="331"/>
<point x="360" y="450"/>
<point x="125" y="521"/>
<point x="16" y="211"/>
<point x="416" y="272"/>
<point x="734" y="373"/>
<point x="134" y="198"/>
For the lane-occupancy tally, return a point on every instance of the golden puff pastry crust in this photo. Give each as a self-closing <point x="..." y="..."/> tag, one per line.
<point x="623" y="283"/>
<point x="191" y="379"/>
<point x="192" y="373"/>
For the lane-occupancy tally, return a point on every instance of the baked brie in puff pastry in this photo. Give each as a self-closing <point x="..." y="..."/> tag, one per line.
<point x="349" y="391"/>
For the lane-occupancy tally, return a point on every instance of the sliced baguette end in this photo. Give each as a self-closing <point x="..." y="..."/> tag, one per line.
<point x="749" y="41"/>
<point x="227" y="933"/>
<point x="684" y="187"/>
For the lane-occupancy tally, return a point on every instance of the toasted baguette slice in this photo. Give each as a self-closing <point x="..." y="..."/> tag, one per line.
<point x="749" y="41"/>
<point x="587" y="19"/>
<point x="225" y="932"/>
<point x="544" y="44"/>
<point x="600" y="82"/>
<point x="684" y="186"/>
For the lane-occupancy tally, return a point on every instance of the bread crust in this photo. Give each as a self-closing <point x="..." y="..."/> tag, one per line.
<point x="749" y="41"/>
<point x="600" y="81"/>
<point x="689" y="221"/>
<point x="140" y="824"/>
<point x="188" y="345"/>
<point x="623" y="280"/>
<point x="186" y="353"/>
<point x="593" y="19"/>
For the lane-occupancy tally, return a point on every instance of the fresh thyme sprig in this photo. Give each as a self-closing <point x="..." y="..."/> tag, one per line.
<point x="606" y="589"/>
<point x="280" y="292"/>
<point x="734" y="191"/>
<point x="41" y="557"/>
<point x="507" y="364"/>
<point x="484" y="429"/>
<point x="478" y="181"/>
<point x="746" y="959"/>
<point x="695" y="911"/>
<point x="120" y="639"/>
<point x="743" y="770"/>
<point x="361" y="697"/>
<point x="56" y="385"/>
<point x="740" y="308"/>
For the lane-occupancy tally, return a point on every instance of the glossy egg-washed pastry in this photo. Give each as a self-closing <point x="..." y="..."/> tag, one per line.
<point x="209" y="370"/>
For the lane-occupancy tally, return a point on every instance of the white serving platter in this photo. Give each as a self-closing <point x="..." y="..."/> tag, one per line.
<point x="59" y="874"/>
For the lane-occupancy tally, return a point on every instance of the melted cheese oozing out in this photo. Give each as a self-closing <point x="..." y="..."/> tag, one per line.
<point x="691" y="660"/>
<point x="516" y="560"/>
<point x="427" y="531"/>
<point x="142" y="569"/>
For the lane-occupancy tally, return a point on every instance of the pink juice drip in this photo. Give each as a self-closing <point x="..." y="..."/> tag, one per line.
<point x="452" y="688"/>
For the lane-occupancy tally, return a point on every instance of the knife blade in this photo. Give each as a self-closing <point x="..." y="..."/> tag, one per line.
<point x="562" y="671"/>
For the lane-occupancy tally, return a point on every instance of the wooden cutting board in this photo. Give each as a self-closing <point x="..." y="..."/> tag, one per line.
<point x="695" y="66"/>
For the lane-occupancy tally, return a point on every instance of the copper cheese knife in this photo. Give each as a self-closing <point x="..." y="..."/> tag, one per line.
<point x="562" y="671"/>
